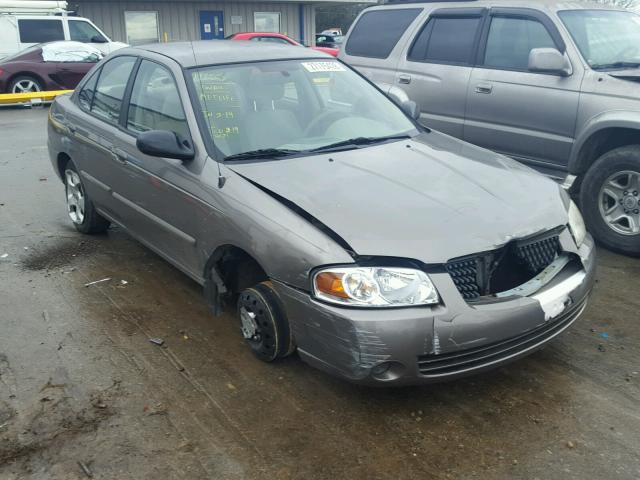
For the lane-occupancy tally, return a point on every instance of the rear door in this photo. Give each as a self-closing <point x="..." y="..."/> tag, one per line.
<point x="94" y="125"/>
<point x="374" y="42"/>
<point x="527" y="115"/>
<point x="436" y="67"/>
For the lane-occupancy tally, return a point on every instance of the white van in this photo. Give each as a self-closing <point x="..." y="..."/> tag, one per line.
<point x="25" y="23"/>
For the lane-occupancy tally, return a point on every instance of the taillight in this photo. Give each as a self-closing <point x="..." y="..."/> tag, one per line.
<point x="1" y="72"/>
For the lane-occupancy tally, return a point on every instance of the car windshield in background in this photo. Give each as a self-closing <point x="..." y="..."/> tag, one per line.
<point x="293" y="106"/>
<point x="607" y="39"/>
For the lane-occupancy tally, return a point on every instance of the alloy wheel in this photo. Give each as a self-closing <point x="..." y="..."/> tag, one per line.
<point x="619" y="201"/>
<point x="75" y="197"/>
<point x="26" y="86"/>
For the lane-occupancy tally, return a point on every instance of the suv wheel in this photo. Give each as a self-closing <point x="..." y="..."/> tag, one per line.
<point x="264" y="324"/>
<point x="79" y="206"/>
<point x="610" y="199"/>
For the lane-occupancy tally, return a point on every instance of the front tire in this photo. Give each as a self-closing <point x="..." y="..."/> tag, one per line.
<point x="264" y="323"/>
<point x="80" y="208"/>
<point x="610" y="200"/>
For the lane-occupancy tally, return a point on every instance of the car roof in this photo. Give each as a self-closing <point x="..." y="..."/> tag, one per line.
<point x="218" y="52"/>
<point x="545" y="5"/>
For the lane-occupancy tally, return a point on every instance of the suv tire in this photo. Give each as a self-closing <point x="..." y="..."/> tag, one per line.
<point x="611" y="189"/>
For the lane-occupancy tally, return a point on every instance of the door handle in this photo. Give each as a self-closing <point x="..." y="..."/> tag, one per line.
<point x="484" y="88"/>
<point x="404" y="79"/>
<point x="120" y="155"/>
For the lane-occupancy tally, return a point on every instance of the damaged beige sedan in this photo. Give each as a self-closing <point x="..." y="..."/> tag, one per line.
<point x="316" y="207"/>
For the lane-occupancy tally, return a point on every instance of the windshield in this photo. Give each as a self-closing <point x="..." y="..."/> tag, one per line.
<point x="293" y="105"/>
<point x="606" y="38"/>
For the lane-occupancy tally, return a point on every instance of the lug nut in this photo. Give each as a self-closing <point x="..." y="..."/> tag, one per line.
<point x="635" y="193"/>
<point x="626" y="192"/>
<point x="636" y="211"/>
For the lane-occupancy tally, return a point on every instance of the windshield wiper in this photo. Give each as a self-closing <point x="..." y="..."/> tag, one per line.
<point x="606" y="66"/>
<point x="357" y="142"/>
<point x="261" y="153"/>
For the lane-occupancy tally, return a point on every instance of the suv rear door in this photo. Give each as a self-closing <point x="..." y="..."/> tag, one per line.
<point x="435" y="68"/>
<point x="527" y="115"/>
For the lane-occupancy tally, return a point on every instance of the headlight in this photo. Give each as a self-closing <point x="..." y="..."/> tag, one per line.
<point x="576" y="224"/>
<point x="374" y="287"/>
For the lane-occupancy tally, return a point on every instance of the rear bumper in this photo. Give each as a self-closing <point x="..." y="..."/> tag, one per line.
<point x="427" y="345"/>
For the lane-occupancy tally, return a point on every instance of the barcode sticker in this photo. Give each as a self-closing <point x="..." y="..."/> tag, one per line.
<point x="315" y="67"/>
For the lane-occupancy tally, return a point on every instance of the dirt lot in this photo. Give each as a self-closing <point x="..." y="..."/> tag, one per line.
<point x="82" y="386"/>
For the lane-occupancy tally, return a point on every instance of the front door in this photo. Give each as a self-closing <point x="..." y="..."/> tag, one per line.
<point x="527" y="115"/>
<point x="211" y="25"/>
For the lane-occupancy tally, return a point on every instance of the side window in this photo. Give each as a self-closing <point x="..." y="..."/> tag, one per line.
<point x="112" y="83"/>
<point x="40" y="31"/>
<point x="155" y="102"/>
<point x="281" y="41"/>
<point x="85" y="97"/>
<point x="446" y="40"/>
<point x="82" y="31"/>
<point x="377" y="32"/>
<point x="511" y="40"/>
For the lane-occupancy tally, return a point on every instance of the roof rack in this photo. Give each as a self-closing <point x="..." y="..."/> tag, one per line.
<point x="29" y="7"/>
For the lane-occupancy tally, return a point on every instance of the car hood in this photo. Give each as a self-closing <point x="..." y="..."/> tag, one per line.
<point x="431" y="198"/>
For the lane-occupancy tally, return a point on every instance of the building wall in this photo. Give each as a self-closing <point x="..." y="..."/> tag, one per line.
<point x="180" y="19"/>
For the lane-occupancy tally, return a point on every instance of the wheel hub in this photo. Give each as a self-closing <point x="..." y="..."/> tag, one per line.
<point x="619" y="202"/>
<point x="75" y="197"/>
<point x="249" y="325"/>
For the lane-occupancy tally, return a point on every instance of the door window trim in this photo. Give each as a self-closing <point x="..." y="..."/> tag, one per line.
<point x="451" y="13"/>
<point x="521" y="14"/>
<point x="124" y="113"/>
<point x="77" y="91"/>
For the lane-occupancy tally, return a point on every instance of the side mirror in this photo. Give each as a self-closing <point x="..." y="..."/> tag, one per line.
<point x="98" y="39"/>
<point x="162" y="143"/>
<point x="549" y="60"/>
<point x="400" y="98"/>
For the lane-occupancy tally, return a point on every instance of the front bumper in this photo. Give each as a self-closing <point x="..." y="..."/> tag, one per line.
<point x="431" y="344"/>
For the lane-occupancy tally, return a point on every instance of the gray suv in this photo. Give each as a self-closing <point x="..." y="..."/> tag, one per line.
<point x="551" y="85"/>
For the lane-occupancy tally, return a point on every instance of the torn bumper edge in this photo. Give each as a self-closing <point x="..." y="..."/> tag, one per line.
<point x="349" y="342"/>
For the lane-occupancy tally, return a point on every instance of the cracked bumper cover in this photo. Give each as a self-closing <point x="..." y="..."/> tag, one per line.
<point x="438" y="343"/>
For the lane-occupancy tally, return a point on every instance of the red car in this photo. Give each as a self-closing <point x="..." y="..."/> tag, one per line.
<point x="48" y="66"/>
<point x="277" y="38"/>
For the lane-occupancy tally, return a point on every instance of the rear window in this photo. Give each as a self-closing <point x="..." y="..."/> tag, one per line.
<point x="40" y="31"/>
<point x="377" y="32"/>
<point x="446" y="40"/>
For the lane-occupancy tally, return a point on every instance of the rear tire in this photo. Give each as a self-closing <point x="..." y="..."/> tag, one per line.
<point x="25" y="84"/>
<point x="80" y="208"/>
<point x="264" y="322"/>
<point x="610" y="200"/>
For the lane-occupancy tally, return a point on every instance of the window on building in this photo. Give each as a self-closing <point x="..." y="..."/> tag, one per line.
<point x="377" y="32"/>
<point x="40" y="31"/>
<point x="446" y="40"/>
<point x="511" y="40"/>
<point x="266" y="22"/>
<point x="155" y="102"/>
<point x="82" y="31"/>
<point x="141" y="27"/>
<point x="85" y="97"/>
<point x="112" y="83"/>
